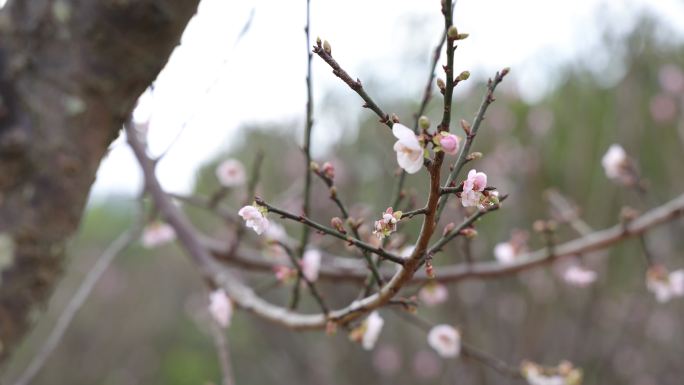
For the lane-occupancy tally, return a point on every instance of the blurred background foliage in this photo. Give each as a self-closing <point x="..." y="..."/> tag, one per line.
<point x="146" y="322"/>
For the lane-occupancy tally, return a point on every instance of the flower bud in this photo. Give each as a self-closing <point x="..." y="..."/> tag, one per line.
<point x="338" y="225"/>
<point x="462" y="36"/>
<point x="505" y="71"/>
<point x="424" y="122"/>
<point x="474" y="156"/>
<point x="327" y="48"/>
<point x="465" y="126"/>
<point x="318" y="41"/>
<point x="395" y="118"/>
<point x="628" y="214"/>
<point x="328" y="170"/>
<point x="452" y="32"/>
<point x="440" y="84"/>
<point x="465" y="75"/>
<point x="313" y="166"/>
<point x="448" y="228"/>
<point x="469" y="232"/>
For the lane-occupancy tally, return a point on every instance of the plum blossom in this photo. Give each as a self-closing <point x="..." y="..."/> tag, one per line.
<point x="476" y="181"/>
<point x="284" y="273"/>
<point x="254" y="218"/>
<point x="665" y="286"/>
<point x="156" y="234"/>
<point x="449" y="143"/>
<point x="615" y="162"/>
<point x="505" y="253"/>
<point x="563" y="374"/>
<point x="433" y="294"/>
<point x="446" y="340"/>
<point x="231" y="173"/>
<point x="275" y="232"/>
<point x="578" y="275"/>
<point x="220" y="307"/>
<point x="473" y="187"/>
<point x="311" y="264"/>
<point x="508" y="252"/>
<point x="387" y="224"/>
<point x="408" y="149"/>
<point x="374" y="325"/>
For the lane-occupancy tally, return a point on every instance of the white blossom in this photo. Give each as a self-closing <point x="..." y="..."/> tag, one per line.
<point x="254" y="219"/>
<point x="445" y="340"/>
<point x="311" y="264"/>
<point x="374" y="325"/>
<point x="580" y="276"/>
<point x="408" y="149"/>
<point x="433" y="294"/>
<point x="665" y="286"/>
<point x="220" y="307"/>
<point x="505" y="253"/>
<point x="231" y="173"/>
<point x="156" y="234"/>
<point x="614" y="162"/>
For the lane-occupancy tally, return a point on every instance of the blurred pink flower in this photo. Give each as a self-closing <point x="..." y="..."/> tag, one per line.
<point x="254" y="219"/>
<point x="671" y="79"/>
<point x="433" y="294"/>
<point x="615" y="162"/>
<point x="663" y="108"/>
<point x="220" y="307"/>
<point x="311" y="264"/>
<point x="505" y="253"/>
<point x="231" y="173"/>
<point x="374" y="324"/>
<point x="446" y="340"/>
<point x="665" y="286"/>
<point x="387" y="360"/>
<point x="408" y="149"/>
<point x="156" y="234"/>
<point x="578" y="275"/>
<point x="426" y="365"/>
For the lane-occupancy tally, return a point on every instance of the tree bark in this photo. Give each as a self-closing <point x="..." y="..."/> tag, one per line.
<point x="71" y="72"/>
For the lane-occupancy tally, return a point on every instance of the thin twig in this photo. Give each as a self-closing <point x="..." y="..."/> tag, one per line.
<point x="223" y="353"/>
<point x="462" y="157"/>
<point x="312" y="287"/>
<point x="330" y="231"/>
<point x="353" y="84"/>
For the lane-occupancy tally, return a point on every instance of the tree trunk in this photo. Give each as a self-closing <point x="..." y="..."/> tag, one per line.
<point x="71" y="73"/>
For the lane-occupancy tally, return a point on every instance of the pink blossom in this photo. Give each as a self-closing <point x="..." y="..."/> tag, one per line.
<point x="433" y="294"/>
<point x="284" y="273"/>
<point x="156" y="234"/>
<point x="231" y="173"/>
<point x="445" y="340"/>
<point x="328" y="170"/>
<point x="387" y="360"/>
<point x="220" y="307"/>
<point x="580" y="276"/>
<point x="476" y="181"/>
<point x="311" y="264"/>
<point x="408" y="149"/>
<point x="254" y="219"/>
<point x="615" y="162"/>
<point x="374" y="324"/>
<point x="449" y="143"/>
<point x="471" y="198"/>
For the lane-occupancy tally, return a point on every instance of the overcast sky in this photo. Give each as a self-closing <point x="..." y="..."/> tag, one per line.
<point x="216" y="82"/>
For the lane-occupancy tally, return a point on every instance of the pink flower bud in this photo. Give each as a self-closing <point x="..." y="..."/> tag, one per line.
<point x="328" y="170"/>
<point x="449" y="143"/>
